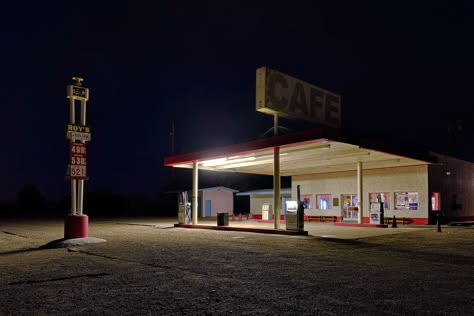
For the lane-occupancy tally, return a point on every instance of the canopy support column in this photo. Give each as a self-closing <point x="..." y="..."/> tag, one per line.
<point x="195" y="193"/>
<point x="276" y="186"/>
<point x="360" y="194"/>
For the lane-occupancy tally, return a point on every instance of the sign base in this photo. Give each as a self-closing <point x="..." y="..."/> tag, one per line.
<point x="76" y="226"/>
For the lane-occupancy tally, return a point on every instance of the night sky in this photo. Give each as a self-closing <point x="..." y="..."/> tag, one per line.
<point x="404" y="70"/>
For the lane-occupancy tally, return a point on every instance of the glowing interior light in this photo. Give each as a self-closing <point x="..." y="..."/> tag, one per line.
<point x="241" y="159"/>
<point x="234" y="160"/>
<point x="224" y="161"/>
<point x="214" y="162"/>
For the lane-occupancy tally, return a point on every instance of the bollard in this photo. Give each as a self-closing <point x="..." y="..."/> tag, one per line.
<point x="394" y="222"/>
<point x="438" y="226"/>
<point x="233" y="217"/>
<point x="240" y="216"/>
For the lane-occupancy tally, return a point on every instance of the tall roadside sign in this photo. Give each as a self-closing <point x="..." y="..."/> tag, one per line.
<point x="76" y="223"/>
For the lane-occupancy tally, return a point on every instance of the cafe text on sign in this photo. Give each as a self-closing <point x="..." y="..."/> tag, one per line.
<point x="278" y="93"/>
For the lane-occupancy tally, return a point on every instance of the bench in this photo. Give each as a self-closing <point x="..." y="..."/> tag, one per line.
<point x="399" y="220"/>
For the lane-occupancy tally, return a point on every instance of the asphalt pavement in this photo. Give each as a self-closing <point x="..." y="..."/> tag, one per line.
<point x="146" y="266"/>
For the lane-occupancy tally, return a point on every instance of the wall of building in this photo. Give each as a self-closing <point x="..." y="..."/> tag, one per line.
<point x="391" y="180"/>
<point x="222" y="201"/>
<point x="256" y="202"/>
<point x="457" y="188"/>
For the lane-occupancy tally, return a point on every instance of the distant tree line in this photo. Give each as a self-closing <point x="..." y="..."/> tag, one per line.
<point x="30" y="202"/>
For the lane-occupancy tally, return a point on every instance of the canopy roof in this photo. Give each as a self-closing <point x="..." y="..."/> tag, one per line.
<point x="320" y="150"/>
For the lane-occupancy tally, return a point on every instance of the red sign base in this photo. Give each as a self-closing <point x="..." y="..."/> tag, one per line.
<point x="76" y="226"/>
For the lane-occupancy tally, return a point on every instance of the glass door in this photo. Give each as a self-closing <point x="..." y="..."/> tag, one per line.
<point x="350" y="211"/>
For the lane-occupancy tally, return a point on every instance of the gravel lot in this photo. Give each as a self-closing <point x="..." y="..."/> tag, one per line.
<point x="148" y="267"/>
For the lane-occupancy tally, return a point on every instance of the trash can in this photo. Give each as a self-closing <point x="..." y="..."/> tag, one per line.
<point x="222" y="219"/>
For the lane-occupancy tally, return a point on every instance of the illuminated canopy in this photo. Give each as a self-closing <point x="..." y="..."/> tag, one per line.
<point x="313" y="151"/>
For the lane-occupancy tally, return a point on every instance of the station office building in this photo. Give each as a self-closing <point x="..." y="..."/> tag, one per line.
<point x="340" y="176"/>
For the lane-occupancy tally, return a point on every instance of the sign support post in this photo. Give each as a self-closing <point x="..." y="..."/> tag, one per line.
<point x="77" y="224"/>
<point x="72" y="120"/>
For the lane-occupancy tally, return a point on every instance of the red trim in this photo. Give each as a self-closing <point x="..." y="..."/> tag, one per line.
<point x="408" y="220"/>
<point x="270" y="221"/>
<point x="361" y="225"/>
<point x="299" y="138"/>
<point x="460" y="218"/>
<point x="417" y="220"/>
<point x="259" y="216"/>
<point x="67" y="178"/>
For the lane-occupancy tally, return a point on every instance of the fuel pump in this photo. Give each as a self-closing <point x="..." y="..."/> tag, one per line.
<point x="300" y="211"/>
<point x="377" y="211"/>
<point x="184" y="211"/>
<point x="295" y="213"/>
<point x="382" y="211"/>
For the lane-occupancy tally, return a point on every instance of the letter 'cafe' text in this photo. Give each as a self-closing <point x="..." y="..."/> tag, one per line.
<point x="278" y="93"/>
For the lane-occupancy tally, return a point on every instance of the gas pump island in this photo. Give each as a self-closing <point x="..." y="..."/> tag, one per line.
<point x="76" y="224"/>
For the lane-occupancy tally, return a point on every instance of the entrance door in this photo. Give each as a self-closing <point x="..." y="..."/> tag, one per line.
<point x="349" y="207"/>
<point x="208" y="208"/>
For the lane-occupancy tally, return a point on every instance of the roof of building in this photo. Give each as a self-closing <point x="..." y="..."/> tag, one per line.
<point x="283" y="191"/>
<point x="218" y="188"/>
<point x="203" y="189"/>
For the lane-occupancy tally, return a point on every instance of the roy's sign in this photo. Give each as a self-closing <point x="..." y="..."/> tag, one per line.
<point x="78" y="132"/>
<point x="278" y="93"/>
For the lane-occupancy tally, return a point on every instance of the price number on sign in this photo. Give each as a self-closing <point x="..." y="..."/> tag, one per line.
<point x="78" y="171"/>
<point x="78" y="161"/>
<point x="78" y="148"/>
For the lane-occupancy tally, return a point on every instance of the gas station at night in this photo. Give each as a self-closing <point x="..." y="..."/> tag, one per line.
<point x="351" y="181"/>
<point x="356" y="181"/>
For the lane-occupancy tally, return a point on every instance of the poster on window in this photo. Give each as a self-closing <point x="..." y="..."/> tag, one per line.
<point x="306" y="201"/>
<point x="406" y="201"/>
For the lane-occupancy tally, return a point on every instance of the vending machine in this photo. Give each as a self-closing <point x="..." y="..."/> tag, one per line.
<point x="267" y="211"/>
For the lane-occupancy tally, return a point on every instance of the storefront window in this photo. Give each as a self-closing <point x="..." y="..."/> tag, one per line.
<point x="406" y="201"/>
<point x="324" y="201"/>
<point x="383" y="197"/>
<point x="307" y="203"/>
<point x="435" y="201"/>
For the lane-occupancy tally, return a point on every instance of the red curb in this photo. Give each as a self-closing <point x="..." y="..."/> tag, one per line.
<point x="362" y="225"/>
<point x="270" y="221"/>
<point x="245" y="229"/>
